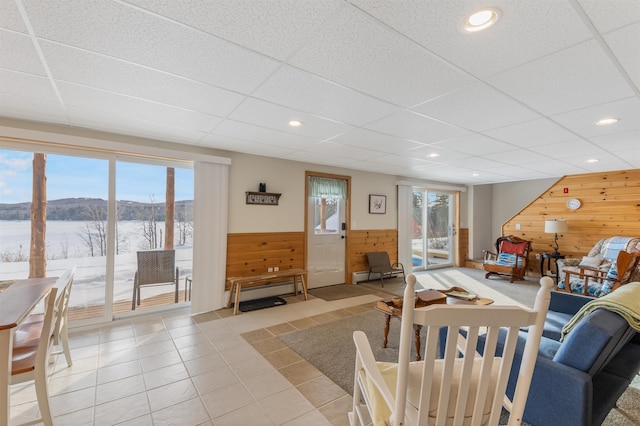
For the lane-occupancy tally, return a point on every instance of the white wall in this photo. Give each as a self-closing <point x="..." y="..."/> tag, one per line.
<point x="287" y="178"/>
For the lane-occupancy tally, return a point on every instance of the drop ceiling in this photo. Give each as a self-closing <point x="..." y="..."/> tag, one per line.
<point x="388" y="86"/>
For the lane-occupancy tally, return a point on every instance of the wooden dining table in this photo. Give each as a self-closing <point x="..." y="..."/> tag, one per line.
<point x="16" y="303"/>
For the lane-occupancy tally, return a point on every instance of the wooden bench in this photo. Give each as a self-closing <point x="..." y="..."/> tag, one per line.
<point x="238" y="283"/>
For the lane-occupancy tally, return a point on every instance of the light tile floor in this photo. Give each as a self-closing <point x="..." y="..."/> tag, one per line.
<point x="178" y="369"/>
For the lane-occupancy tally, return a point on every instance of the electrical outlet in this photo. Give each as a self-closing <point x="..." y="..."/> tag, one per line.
<point x="517" y="226"/>
<point x="276" y="269"/>
<point x="269" y="269"/>
<point x="537" y="256"/>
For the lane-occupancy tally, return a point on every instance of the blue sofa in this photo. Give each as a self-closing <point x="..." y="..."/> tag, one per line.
<point x="579" y="380"/>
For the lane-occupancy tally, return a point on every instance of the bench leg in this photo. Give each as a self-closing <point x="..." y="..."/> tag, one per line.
<point x="233" y="285"/>
<point x="236" y="307"/>
<point x="304" y="287"/>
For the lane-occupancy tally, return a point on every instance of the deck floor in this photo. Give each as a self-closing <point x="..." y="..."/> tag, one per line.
<point x="84" y="312"/>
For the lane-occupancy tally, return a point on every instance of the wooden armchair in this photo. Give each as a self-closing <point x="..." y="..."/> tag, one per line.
<point x="510" y="260"/>
<point x="594" y="282"/>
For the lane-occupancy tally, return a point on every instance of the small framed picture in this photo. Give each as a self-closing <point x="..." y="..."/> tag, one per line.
<point x="377" y="204"/>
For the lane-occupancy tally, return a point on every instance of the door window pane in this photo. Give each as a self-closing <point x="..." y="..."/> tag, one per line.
<point x="141" y="191"/>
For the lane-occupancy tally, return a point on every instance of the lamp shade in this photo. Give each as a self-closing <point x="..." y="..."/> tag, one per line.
<point x="555" y="226"/>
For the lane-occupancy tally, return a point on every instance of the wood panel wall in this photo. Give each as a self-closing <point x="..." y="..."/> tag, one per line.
<point x="254" y="253"/>
<point x="365" y="241"/>
<point x="463" y="246"/>
<point x="610" y="207"/>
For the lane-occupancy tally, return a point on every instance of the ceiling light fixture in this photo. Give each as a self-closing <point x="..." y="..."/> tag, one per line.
<point x="433" y="155"/>
<point x="475" y="174"/>
<point x="592" y="160"/>
<point x="295" y="123"/>
<point x="480" y="20"/>
<point x="607" y="121"/>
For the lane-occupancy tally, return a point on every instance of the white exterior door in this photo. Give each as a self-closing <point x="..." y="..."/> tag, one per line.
<point x="325" y="242"/>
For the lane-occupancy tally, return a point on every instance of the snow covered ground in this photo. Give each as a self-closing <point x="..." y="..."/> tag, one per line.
<point x="90" y="278"/>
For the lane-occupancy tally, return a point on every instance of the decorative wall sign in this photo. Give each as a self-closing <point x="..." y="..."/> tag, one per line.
<point x="377" y="204"/>
<point x="264" y="198"/>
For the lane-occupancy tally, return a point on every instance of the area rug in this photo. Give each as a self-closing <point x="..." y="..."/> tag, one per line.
<point x="256" y="304"/>
<point x="340" y="291"/>
<point x="330" y="348"/>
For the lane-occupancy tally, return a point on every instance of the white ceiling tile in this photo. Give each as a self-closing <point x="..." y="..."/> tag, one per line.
<point x="582" y="121"/>
<point x="239" y="145"/>
<point x="632" y="156"/>
<point x="434" y="24"/>
<point x="27" y="85"/>
<point x="99" y="120"/>
<point x="298" y="89"/>
<point x="531" y="133"/>
<point x="474" y="163"/>
<point x="516" y="157"/>
<point x="358" y="52"/>
<point x="475" y="144"/>
<point x="102" y="101"/>
<point x="31" y="109"/>
<point x="342" y="151"/>
<point x="252" y="133"/>
<point x="416" y="127"/>
<point x="17" y="53"/>
<point x="476" y="107"/>
<point x="401" y="162"/>
<point x="274" y="27"/>
<point x="618" y="141"/>
<point x="553" y="167"/>
<point x="102" y="72"/>
<point x="625" y="45"/>
<point x="609" y="15"/>
<point x="123" y="32"/>
<point x="570" y="79"/>
<point x="605" y="161"/>
<point x="518" y="172"/>
<point x="317" y="158"/>
<point x="265" y="114"/>
<point x="372" y="165"/>
<point x="569" y="149"/>
<point x="10" y="17"/>
<point x="444" y="155"/>
<point x="367" y="139"/>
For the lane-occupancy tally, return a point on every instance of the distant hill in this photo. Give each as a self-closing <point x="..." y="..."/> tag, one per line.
<point x="92" y="209"/>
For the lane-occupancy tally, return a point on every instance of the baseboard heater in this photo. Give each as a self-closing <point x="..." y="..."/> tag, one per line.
<point x="358" y="277"/>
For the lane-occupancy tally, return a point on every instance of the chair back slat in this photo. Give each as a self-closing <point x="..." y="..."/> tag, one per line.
<point x="156" y="266"/>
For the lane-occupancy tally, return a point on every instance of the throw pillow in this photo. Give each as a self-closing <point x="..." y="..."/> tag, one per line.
<point x="591" y="262"/>
<point x="610" y="279"/>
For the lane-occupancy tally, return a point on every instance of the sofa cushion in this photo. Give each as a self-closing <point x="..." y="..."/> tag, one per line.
<point x="591" y="262"/>
<point x="611" y="278"/>
<point x="554" y="323"/>
<point x="594" y="341"/>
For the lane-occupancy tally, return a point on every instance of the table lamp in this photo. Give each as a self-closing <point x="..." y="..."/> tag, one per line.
<point x="555" y="226"/>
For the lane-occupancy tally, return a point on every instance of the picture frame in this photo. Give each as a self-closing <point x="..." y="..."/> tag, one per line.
<point x="377" y="204"/>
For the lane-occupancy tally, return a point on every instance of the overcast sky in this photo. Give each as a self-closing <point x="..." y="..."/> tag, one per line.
<point x="75" y="177"/>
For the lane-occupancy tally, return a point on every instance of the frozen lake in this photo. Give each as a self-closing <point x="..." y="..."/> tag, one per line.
<point x="66" y="248"/>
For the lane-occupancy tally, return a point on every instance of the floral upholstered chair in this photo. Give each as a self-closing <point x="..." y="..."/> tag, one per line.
<point x="510" y="260"/>
<point x="595" y="282"/>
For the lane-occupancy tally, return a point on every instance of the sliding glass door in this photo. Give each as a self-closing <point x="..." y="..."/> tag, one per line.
<point x="432" y="229"/>
<point x="99" y="213"/>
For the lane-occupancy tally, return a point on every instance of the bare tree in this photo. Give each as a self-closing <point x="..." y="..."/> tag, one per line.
<point x="94" y="233"/>
<point x="150" y="226"/>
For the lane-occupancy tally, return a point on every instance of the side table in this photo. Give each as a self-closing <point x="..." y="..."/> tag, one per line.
<point x="548" y="257"/>
<point x="393" y="308"/>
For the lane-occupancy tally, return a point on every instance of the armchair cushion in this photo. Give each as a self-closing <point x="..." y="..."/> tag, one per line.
<point x="610" y="278"/>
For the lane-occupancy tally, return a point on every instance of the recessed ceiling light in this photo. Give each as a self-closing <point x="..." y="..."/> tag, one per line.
<point x="592" y="160"/>
<point x="433" y="155"/>
<point x="607" y="121"/>
<point x="480" y="20"/>
<point x="475" y="174"/>
<point x="295" y="123"/>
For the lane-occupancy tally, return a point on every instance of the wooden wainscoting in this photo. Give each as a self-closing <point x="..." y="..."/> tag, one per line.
<point x="610" y="206"/>
<point x="254" y="253"/>
<point x="364" y="241"/>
